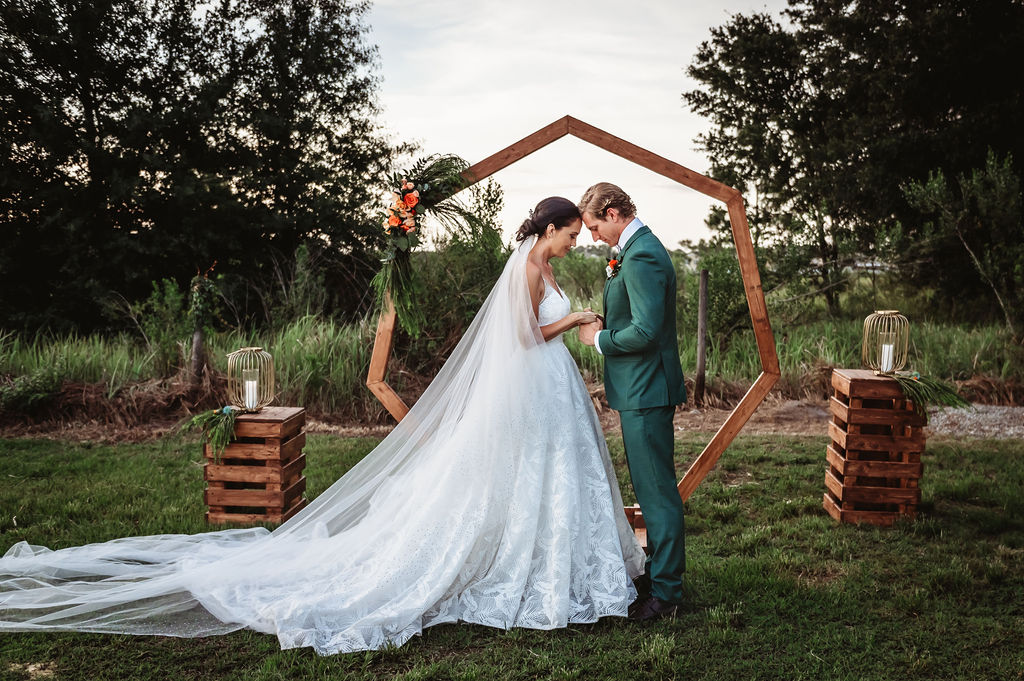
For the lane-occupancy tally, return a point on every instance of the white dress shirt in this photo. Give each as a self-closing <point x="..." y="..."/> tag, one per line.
<point x="624" y="238"/>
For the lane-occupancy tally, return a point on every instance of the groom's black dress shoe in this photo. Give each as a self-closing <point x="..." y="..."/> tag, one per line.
<point x="653" y="608"/>
<point x="642" y="584"/>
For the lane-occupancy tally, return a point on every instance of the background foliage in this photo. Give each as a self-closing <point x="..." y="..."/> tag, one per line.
<point x="824" y="122"/>
<point x="877" y="146"/>
<point x="144" y="140"/>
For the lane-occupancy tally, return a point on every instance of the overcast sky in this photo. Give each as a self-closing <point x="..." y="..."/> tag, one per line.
<point x="470" y="78"/>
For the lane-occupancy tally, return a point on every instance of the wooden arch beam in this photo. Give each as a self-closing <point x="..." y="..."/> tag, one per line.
<point x="733" y="201"/>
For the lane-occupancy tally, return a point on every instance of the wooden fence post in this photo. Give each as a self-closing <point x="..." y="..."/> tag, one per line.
<point x="702" y="339"/>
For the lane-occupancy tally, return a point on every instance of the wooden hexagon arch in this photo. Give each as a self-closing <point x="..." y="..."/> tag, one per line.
<point x="744" y="252"/>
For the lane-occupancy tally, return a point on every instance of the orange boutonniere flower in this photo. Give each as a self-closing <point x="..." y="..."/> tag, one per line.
<point x="411" y="199"/>
<point x="613" y="267"/>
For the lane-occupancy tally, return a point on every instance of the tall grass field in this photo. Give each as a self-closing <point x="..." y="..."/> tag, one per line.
<point x="321" y="364"/>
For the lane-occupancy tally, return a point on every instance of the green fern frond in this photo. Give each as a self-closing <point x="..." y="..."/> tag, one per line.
<point x="217" y="427"/>
<point x="925" y="391"/>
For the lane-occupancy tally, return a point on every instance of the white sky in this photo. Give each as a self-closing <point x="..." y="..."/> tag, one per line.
<point x="470" y="78"/>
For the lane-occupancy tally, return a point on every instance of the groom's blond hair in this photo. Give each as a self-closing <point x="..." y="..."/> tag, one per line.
<point x="604" y="195"/>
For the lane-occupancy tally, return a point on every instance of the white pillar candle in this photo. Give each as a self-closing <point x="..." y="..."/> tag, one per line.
<point x="250" y="383"/>
<point x="885" y="365"/>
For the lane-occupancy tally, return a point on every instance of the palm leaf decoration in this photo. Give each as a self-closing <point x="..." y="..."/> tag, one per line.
<point x="436" y="180"/>
<point x="924" y="391"/>
<point x="217" y="427"/>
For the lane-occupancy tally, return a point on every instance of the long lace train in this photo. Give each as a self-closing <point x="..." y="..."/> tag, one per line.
<point x="493" y="502"/>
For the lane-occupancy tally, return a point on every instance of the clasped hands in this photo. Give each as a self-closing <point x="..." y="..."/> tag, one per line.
<point x="590" y="324"/>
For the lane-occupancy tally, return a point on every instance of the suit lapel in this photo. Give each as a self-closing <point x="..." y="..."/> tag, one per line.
<point x="622" y="254"/>
<point x="632" y="240"/>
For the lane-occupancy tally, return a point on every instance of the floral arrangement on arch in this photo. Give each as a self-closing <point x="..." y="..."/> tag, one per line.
<point x="402" y="214"/>
<point x="427" y="188"/>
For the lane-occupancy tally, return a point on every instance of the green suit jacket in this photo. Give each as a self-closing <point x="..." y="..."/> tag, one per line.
<point x="641" y="354"/>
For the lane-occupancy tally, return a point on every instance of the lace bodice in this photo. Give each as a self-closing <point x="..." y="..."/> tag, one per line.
<point x="553" y="306"/>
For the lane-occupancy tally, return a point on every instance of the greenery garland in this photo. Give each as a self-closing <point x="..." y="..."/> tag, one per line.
<point x="429" y="186"/>
<point x="216" y="426"/>
<point x="924" y="391"/>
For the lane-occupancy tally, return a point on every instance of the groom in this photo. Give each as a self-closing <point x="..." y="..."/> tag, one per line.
<point x="643" y="381"/>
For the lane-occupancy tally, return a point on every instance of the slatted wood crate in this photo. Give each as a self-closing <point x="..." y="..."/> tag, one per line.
<point x="636" y="520"/>
<point x="259" y="476"/>
<point x="874" y="459"/>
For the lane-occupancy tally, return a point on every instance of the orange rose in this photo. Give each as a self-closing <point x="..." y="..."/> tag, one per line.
<point x="393" y="221"/>
<point x="411" y="199"/>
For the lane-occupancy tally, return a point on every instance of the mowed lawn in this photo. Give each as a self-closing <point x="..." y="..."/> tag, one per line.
<point x="777" y="590"/>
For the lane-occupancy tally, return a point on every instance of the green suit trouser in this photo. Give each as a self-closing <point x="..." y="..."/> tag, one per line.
<point x="647" y="435"/>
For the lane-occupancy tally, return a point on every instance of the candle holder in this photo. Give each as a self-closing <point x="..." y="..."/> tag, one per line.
<point x="886" y="336"/>
<point x="250" y="379"/>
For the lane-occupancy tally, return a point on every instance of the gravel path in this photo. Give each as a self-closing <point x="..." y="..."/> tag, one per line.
<point x="796" y="417"/>
<point x="980" y="421"/>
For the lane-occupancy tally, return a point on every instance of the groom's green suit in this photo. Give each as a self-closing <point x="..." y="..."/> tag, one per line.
<point x="643" y="381"/>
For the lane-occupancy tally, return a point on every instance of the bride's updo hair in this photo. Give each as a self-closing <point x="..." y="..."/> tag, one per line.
<point x="553" y="210"/>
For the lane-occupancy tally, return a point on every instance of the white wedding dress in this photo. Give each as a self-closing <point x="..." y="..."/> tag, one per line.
<point x="493" y="502"/>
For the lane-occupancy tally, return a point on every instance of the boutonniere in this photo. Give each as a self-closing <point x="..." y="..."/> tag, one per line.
<point x="613" y="267"/>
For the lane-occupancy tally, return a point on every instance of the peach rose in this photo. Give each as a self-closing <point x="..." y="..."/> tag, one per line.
<point x="393" y="221"/>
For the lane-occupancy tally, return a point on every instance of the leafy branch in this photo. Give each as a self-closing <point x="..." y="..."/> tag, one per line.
<point x="217" y="428"/>
<point x="924" y="391"/>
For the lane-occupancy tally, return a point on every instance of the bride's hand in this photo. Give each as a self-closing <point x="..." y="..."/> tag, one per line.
<point x="585" y="317"/>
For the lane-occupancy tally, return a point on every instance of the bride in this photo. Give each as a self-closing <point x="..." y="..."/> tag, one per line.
<point x="493" y="502"/>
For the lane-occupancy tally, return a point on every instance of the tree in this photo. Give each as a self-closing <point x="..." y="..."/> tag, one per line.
<point x="828" y="118"/>
<point x="767" y="140"/>
<point x="983" y="218"/>
<point x="144" y="140"/>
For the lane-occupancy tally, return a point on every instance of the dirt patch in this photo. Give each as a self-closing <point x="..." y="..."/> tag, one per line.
<point x="811" y="417"/>
<point x="775" y="415"/>
<point x="34" y="670"/>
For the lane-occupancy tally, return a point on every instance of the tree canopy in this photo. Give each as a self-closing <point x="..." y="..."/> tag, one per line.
<point x="141" y="140"/>
<point x="825" y="116"/>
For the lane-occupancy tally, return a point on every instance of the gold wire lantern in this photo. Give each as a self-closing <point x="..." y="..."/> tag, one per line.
<point x="886" y="335"/>
<point x="250" y="379"/>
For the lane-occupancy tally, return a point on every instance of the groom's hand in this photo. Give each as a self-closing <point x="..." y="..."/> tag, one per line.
<point x="588" y="331"/>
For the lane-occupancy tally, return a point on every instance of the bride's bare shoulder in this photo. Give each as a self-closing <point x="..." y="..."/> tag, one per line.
<point x="533" y="273"/>
<point x="534" y="282"/>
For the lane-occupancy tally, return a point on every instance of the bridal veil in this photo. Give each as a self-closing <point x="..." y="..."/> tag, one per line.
<point x="453" y="516"/>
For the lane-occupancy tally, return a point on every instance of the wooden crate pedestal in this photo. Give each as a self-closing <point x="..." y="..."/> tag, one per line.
<point x="258" y="477"/>
<point x="636" y="520"/>
<point x="874" y="460"/>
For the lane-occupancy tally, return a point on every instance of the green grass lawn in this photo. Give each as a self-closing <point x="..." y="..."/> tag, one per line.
<point x="776" y="589"/>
